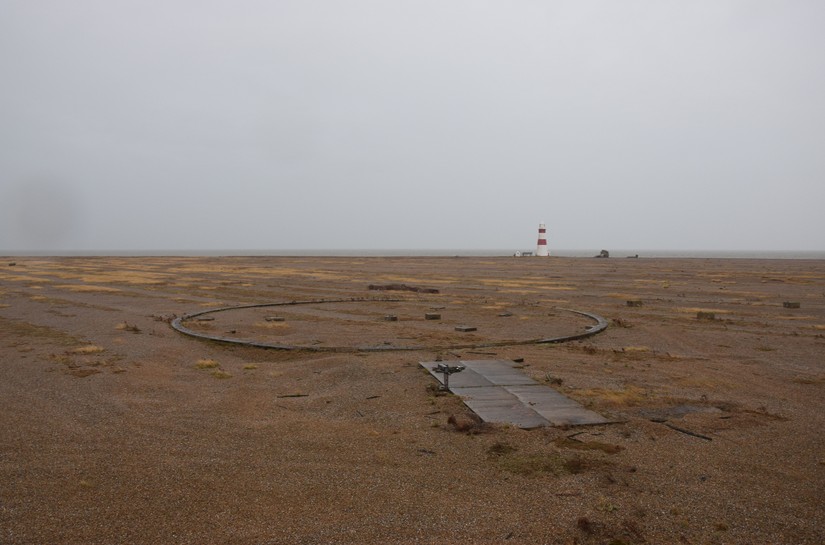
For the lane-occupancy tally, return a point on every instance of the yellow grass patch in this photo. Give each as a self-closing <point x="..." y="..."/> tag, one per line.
<point x="694" y="310"/>
<point x="114" y="277"/>
<point x="819" y="326"/>
<point x="220" y="373"/>
<point x="83" y="288"/>
<point x="623" y="296"/>
<point x="519" y="292"/>
<point x="23" y="278"/>
<point x="250" y="366"/>
<point x="531" y="285"/>
<point x="87" y="349"/>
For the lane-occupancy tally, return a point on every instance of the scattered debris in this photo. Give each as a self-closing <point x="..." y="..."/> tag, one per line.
<point x="275" y="319"/>
<point x="789" y="304"/>
<point x="634" y="303"/>
<point x="401" y="287"/>
<point x="683" y="430"/>
<point x="432" y="316"/>
<point x="555" y="381"/>
<point x="373" y="397"/>
<point x="125" y="326"/>
<point x="504" y="314"/>
<point x="390" y="318"/>
<point x="702" y="315"/>
<point x="292" y="395"/>
<point x="465" y="328"/>
<point x="205" y="319"/>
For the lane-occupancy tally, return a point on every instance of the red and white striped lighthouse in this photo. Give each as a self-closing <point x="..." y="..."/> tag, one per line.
<point x="541" y="249"/>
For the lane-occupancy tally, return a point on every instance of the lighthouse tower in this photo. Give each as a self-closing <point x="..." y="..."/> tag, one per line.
<point x="541" y="249"/>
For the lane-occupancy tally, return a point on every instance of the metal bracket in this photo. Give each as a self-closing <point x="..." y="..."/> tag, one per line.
<point x="446" y="371"/>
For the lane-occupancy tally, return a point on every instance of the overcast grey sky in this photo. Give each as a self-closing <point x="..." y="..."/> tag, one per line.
<point x="183" y="124"/>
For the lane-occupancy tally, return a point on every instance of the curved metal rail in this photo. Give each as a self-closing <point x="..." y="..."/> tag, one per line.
<point x="177" y="324"/>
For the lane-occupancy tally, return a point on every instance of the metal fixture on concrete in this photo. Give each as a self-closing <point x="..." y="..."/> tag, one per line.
<point x="446" y="371"/>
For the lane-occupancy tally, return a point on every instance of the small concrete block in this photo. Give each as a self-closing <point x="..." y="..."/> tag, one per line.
<point x="789" y="304"/>
<point x="465" y="328"/>
<point x="275" y="319"/>
<point x="390" y="318"/>
<point x="634" y="303"/>
<point x="432" y="316"/>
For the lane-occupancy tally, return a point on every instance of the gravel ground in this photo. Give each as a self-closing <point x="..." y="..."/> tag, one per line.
<point x="117" y="429"/>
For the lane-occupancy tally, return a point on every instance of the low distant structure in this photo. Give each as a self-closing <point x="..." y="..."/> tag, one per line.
<point x="603" y="254"/>
<point x="519" y="253"/>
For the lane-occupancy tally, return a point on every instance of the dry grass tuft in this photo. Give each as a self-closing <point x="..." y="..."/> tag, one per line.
<point x="630" y="395"/>
<point x="533" y="464"/>
<point x="565" y="442"/>
<point x="220" y="373"/>
<point x="500" y="449"/>
<point x="206" y="364"/>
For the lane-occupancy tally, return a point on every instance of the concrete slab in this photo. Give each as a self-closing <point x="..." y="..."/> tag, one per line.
<point x="498" y="392"/>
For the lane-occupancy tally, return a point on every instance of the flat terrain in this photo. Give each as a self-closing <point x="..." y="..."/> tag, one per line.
<point x="118" y="429"/>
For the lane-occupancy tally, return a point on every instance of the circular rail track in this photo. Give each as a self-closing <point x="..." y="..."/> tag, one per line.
<point x="179" y="324"/>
